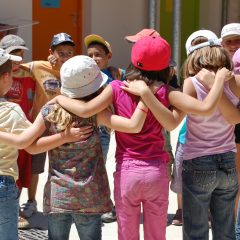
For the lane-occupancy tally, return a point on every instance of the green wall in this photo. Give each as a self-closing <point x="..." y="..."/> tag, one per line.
<point x="189" y="17"/>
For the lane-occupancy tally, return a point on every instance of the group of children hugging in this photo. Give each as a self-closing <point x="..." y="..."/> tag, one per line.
<point x="75" y="96"/>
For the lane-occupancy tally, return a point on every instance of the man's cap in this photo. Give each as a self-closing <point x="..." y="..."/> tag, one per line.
<point x="61" y="38"/>
<point x="96" y="38"/>
<point x="209" y="35"/>
<point x="236" y="62"/>
<point x="151" y="53"/>
<point x="143" y="33"/>
<point x="12" y="42"/>
<point x="80" y="77"/>
<point x="4" y="56"/>
<point x="230" y="30"/>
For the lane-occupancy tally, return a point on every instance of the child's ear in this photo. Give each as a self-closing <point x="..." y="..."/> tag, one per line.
<point x="50" y="51"/>
<point x="109" y="55"/>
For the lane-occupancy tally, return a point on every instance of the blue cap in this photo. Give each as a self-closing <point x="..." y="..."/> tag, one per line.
<point x="61" y="38"/>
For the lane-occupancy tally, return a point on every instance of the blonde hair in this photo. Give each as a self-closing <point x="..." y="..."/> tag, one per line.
<point x="60" y="117"/>
<point x="210" y="57"/>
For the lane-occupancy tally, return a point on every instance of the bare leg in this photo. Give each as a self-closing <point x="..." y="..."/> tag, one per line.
<point x="33" y="187"/>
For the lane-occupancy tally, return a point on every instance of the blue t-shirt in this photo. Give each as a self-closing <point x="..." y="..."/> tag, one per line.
<point x="182" y="132"/>
<point x="110" y="77"/>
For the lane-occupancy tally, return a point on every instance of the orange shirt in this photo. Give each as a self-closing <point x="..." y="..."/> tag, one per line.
<point x="47" y="83"/>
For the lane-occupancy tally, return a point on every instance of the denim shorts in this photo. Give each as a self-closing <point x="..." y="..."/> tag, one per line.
<point x="176" y="183"/>
<point x="104" y="140"/>
<point x="9" y="207"/>
<point x="209" y="183"/>
<point x="38" y="163"/>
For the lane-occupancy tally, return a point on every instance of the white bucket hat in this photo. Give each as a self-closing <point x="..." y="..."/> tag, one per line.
<point x="211" y="36"/>
<point x="4" y="56"/>
<point x="80" y="77"/>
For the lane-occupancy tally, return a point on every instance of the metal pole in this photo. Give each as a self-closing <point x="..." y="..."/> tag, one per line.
<point x="224" y="12"/>
<point x="176" y="54"/>
<point x="152" y="14"/>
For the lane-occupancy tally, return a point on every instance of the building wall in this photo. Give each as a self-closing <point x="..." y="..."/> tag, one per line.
<point x="113" y="20"/>
<point x="19" y="13"/>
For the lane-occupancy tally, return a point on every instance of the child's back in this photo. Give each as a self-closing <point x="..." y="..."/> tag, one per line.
<point x="77" y="180"/>
<point x="199" y="139"/>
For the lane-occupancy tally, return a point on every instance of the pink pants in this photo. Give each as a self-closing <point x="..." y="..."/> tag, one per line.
<point x="141" y="183"/>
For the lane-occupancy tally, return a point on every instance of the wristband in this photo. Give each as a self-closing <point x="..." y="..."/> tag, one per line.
<point x="143" y="110"/>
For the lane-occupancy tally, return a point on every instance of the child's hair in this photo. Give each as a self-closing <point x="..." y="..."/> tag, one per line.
<point x="133" y="73"/>
<point x="61" y="117"/>
<point x="62" y="44"/>
<point x="15" y="51"/>
<point x="209" y="57"/>
<point x="100" y="44"/>
<point x="6" y="67"/>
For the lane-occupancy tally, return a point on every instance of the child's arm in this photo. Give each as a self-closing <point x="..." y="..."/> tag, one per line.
<point x="208" y="105"/>
<point x="183" y="102"/>
<point x="228" y="110"/>
<point x="71" y="134"/>
<point x="168" y="119"/>
<point x="122" y="124"/>
<point x="28" y="136"/>
<point x="86" y="109"/>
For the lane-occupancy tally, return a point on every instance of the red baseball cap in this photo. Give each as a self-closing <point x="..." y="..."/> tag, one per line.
<point x="143" y="33"/>
<point x="151" y="53"/>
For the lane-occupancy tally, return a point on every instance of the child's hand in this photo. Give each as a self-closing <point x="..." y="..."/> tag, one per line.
<point x="136" y="87"/>
<point x="206" y="78"/>
<point x="224" y="74"/>
<point x="72" y="134"/>
<point x="53" y="60"/>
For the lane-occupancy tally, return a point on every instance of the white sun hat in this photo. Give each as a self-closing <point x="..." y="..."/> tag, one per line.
<point x="80" y="77"/>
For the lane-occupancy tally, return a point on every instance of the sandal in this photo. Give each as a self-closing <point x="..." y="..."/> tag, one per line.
<point x="23" y="223"/>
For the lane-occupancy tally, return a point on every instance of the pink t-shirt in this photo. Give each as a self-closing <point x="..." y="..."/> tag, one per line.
<point x="149" y="143"/>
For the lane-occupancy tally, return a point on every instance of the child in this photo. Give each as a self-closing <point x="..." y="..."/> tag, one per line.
<point x="12" y="120"/>
<point x="100" y="50"/>
<point x="236" y="68"/>
<point x="47" y="86"/>
<point x="172" y="81"/>
<point x="230" y="36"/>
<point x="209" y="173"/>
<point x="141" y="170"/>
<point x="21" y="92"/>
<point x="176" y="184"/>
<point x="77" y="187"/>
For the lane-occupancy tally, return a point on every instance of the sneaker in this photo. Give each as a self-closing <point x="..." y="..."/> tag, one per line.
<point x="109" y="217"/>
<point x="23" y="223"/>
<point x="177" y="219"/>
<point x="29" y="208"/>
